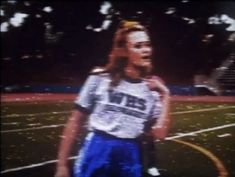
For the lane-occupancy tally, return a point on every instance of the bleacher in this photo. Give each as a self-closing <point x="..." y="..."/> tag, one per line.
<point x="220" y="82"/>
<point x="226" y="78"/>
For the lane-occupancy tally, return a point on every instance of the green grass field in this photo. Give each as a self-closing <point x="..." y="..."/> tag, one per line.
<point x="201" y="142"/>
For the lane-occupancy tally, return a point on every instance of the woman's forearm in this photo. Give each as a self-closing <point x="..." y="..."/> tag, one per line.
<point x="68" y="137"/>
<point x="164" y="118"/>
<point x="161" y="128"/>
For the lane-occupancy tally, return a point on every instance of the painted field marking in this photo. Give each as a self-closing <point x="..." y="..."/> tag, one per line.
<point x="65" y="112"/>
<point x="74" y="157"/>
<point x="224" y="135"/>
<point x="35" y="114"/>
<point x="33" y="165"/>
<point x="202" y="110"/>
<point x="33" y="128"/>
<point x="219" y="165"/>
<point x="62" y="112"/>
<point x="200" y="131"/>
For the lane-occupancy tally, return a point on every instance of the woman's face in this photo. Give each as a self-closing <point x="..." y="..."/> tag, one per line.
<point x="139" y="49"/>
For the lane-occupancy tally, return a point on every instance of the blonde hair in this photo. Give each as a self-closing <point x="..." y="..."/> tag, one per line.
<point x="118" y="57"/>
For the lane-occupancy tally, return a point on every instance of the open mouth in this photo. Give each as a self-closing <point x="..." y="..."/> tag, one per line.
<point x="146" y="57"/>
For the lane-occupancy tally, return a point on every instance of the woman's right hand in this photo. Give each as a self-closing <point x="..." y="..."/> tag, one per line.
<point x="62" y="171"/>
<point x="155" y="83"/>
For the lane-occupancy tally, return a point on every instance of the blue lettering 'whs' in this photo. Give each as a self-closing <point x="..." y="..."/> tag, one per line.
<point x="121" y="111"/>
<point x="130" y="101"/>
<point x="115" y="97"/>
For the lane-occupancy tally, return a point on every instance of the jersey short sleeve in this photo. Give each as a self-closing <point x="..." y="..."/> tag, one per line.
<point x="86" y="97"/>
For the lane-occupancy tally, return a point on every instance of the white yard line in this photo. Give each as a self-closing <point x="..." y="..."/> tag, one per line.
<point x="202" y="110"/>
<point x="33" y="128"/>
<point x="35" y="114"/>
<point x="200" y="131"/>
<point x="74" y="157"/>
<point x="65" y="112"/>
<point x="32" y="165"/>
<point x="62" y="112"/>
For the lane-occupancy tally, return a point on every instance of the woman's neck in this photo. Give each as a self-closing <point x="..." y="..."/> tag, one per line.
<point x="132" y="72"/>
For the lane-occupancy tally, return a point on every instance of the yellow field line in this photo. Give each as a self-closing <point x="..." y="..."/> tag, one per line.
<point x="219" y="165"/>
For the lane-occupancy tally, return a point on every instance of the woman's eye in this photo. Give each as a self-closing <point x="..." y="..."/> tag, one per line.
<point x="148" y="45"/>
<point x="137" y="46"/>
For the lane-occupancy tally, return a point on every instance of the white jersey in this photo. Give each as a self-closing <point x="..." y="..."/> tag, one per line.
<point x="120" y="111"/>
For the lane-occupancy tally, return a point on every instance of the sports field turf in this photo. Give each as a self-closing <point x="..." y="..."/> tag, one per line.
<point x="201" y="142"/>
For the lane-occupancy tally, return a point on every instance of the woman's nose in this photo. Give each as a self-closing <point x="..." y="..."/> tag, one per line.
<point x="147" y="49"/>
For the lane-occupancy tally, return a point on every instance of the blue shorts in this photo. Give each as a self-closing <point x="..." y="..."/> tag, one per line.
<point x="106" y="156"/>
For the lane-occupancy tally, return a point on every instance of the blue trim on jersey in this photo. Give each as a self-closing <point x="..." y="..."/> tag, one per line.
<point x="108" y="156"/>
<point x="82" y="109"/>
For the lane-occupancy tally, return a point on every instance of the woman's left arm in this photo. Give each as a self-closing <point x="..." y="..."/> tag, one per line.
<point x="162" y="125"/>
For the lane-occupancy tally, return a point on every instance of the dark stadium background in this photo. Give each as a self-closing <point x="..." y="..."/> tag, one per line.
<point x="46" y="58"/>
<point x="31" y="55"/>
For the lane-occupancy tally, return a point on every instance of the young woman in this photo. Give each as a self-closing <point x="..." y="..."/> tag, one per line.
<point x="117" y="101"/>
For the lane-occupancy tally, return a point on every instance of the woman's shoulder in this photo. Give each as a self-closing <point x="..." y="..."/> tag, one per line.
<point x="156" y="78"/>
<point x="99" y="71"/>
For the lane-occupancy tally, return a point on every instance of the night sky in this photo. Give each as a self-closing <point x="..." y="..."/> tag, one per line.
<point x="182" y="47"/>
